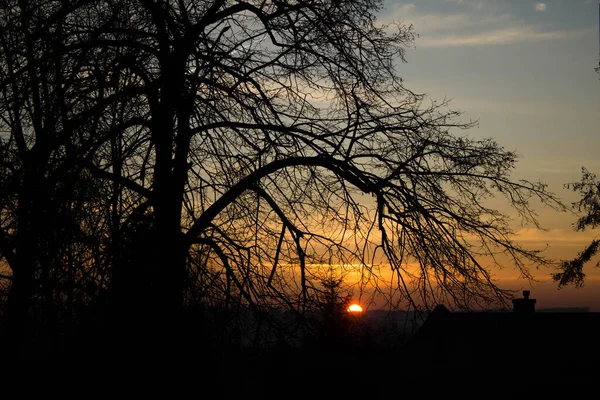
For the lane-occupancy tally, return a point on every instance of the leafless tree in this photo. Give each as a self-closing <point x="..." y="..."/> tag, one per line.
<point x="281" y="137"/>
<point x="50" y="230"/>
<point x="246" y="144"/>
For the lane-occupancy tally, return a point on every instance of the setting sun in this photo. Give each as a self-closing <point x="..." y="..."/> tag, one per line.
<point x="355" y="308"/>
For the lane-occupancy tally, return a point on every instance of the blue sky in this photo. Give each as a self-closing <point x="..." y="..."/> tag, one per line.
<point x="525" y="70"/>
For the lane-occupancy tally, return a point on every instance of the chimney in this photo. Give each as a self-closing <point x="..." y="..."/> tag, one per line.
<point x="524" y="305"/>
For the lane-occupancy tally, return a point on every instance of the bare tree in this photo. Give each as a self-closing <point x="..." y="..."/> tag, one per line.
<point x="245" y="144"/>
<point x="50" y="230"/>
<point x="267" y="123"/>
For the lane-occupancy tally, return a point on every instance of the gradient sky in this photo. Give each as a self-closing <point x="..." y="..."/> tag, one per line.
<point x="525" y="70"/>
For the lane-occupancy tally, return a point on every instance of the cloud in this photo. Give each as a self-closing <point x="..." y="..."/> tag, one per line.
<point x="472" y="3"/>
<point x="472" y="27"/>
<point x="499" y="36"/>
<point x="430" y="22"/>
<point x="556" y="236"/>
<point x="540" y="6"/>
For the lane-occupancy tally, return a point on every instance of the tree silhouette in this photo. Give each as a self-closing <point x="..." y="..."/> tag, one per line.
<point x="332" y="304"/>
<point x="230" y="148"/>
<point x="46" y="219"/>
<point x="571" y="271"/>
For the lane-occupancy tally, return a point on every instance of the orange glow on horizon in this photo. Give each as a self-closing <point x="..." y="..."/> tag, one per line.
<point x="355" y="308"/>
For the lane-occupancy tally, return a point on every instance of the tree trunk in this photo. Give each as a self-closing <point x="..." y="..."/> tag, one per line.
<point x="21" y="290"/>
<point x="17" y="312"/>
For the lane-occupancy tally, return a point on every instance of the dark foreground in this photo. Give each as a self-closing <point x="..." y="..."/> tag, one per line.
<point x="367" y="372"/>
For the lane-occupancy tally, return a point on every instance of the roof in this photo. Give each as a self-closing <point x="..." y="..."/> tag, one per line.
<point x="558" y="341"/>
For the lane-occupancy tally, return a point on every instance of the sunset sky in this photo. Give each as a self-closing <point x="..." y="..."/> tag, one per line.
<point x="525" y="70"/>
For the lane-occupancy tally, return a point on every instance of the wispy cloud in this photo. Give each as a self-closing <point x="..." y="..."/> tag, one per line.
<point x="498" y="36"/>
<point x="474" y="3"/>
<point x="429" y="22"/>
<point x="474" y="26"/>
<point x="556" y="236"/>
